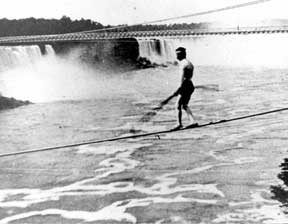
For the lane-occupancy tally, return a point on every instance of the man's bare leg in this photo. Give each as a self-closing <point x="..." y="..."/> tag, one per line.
<point x="190" y="115"/>
<point x="180" y="118"/>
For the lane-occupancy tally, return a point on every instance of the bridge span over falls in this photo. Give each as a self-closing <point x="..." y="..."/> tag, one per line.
<point x="145" y="48"/>
<point x="96" y="36"/>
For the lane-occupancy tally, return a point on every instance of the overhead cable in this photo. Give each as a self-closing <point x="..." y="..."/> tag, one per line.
<point x="182" y="17"/>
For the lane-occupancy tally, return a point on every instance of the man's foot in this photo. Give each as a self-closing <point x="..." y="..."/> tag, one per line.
<point x="193" y="125"/>
<point x="177" y="127"/>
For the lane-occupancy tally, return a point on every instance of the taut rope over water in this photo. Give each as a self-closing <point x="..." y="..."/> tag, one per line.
<point x="141" y="135"/>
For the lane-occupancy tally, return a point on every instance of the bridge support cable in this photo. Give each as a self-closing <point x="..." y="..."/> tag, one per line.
<point x="182" y="17"/>
<point x="103" y="35"/>
<point x="141" y="135"/>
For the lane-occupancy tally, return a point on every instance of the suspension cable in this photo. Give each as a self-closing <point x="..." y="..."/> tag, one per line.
<point x="171" y="18"/>
<point x="141" y="135"/>
<point x="182" y="17"/>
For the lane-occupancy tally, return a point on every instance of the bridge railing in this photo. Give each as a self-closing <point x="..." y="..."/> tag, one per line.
<point x="94" y="36"/>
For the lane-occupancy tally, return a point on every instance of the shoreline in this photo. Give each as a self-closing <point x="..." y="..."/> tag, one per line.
<point x="10" y="103"/>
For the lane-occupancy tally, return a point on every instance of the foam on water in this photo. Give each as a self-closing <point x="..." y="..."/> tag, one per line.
<point x="258" y="209"/>
<point x="237" y="161"/>
<point x="173" y="219"/>
<point x="235" y="137"/>
<point x="256" y="198"/>
<point x="108" y="149"/>
<point x="267" y="214"/>
<point x="164" y="186"/>
<point x="244" y="160"/>
<point x="119" y="160"/>
<point x="118" y="209"/>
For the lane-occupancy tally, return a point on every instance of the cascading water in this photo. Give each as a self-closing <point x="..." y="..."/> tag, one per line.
<point x="158" y="51"/>
<point x="26" y="74"/>
<point x="11" y="57"/>
<point x="16" y="57"/>
<point x="266" y="50"/>
<point x="14" y="63"/>
<point x="49" y="50"/>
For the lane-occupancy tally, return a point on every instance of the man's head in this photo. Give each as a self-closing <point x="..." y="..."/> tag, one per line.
<point x="181" y="53"/>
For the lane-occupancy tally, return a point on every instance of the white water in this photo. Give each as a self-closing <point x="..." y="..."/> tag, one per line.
<point x="159" y="51"/>
<point x="26" y="74"/>
<point x="264" y="50"/>
<point x="14" y="61"/>
<point x="11" y="57"/>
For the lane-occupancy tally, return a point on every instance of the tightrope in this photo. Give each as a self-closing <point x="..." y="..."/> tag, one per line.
<point x="140" y="135"/>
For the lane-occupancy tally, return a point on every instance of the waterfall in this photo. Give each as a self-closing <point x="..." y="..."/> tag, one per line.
<point x="19" y="56"/>
<point x="49" y="50"/>
<point x="16" y="62"/>
<point x="157" y="51"/>
<point x="257" y="50"/>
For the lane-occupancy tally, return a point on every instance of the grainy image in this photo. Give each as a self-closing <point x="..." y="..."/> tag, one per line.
<point x="141" y="111"/>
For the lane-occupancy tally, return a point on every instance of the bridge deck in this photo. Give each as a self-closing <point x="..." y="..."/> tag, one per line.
<point x="96" y="36"/>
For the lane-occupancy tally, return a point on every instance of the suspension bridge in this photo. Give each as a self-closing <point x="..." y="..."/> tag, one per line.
<point x="110" y="35"/>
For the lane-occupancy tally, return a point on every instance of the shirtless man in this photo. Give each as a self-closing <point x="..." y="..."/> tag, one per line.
<point x="185" y="90"/>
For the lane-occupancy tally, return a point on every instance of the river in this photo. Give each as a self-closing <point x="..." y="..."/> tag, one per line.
<point x="226" y="173"/>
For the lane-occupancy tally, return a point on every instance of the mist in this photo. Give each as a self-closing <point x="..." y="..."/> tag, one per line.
<point x="257" y="50"/>
<point x="26" y="74"/>
<point x="53" y="78"/>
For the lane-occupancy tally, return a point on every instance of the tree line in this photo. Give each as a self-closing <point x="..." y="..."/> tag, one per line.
<point x="32" y="26"/>
<point x="175" y="26"/>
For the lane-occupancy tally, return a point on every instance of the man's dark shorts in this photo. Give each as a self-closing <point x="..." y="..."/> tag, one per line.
<point x="186" y="89"/>
<point x="183" y="102"/>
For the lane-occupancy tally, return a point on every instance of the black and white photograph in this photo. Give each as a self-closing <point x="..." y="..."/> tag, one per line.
<point x="144" y="112"/>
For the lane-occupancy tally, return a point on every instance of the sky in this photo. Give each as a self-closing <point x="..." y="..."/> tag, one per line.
<point x="115" y="12"/>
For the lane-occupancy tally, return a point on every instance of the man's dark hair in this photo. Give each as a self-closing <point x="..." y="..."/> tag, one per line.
<point x="180" y="50"/>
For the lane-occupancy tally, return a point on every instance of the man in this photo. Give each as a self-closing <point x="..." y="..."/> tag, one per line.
<point x="185" y="90"/>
